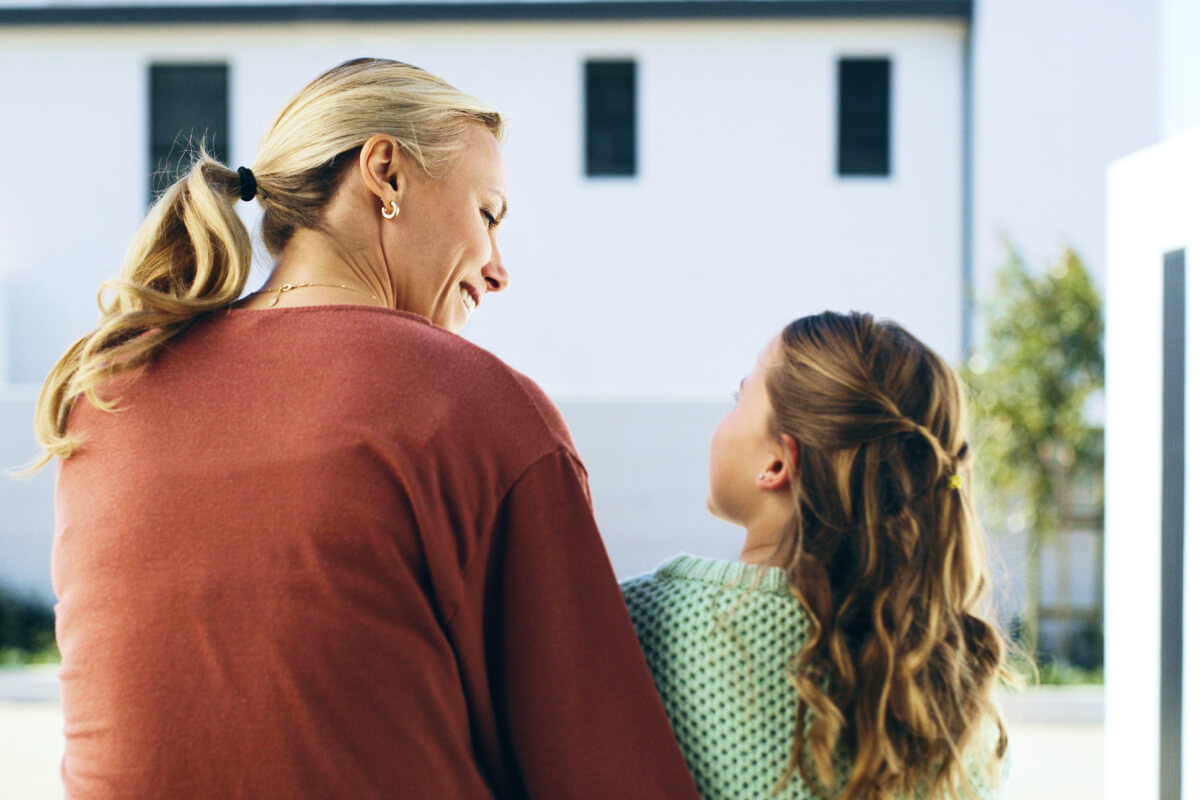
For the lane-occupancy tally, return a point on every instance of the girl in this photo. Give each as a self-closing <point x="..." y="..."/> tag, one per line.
<point x="847" y="654"/>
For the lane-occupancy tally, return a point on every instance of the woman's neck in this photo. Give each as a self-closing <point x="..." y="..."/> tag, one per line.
<point x="314" y="257"/>
<point x="330" y="270"/>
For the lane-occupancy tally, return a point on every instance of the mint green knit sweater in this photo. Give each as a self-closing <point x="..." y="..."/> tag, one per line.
<point x="718" y="647"/>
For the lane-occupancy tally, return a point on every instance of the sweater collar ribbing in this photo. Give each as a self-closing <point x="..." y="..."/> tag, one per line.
<point x="726" y="573"/>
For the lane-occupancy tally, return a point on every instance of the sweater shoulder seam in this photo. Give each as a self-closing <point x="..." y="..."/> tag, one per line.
<point x="558" y="449"/>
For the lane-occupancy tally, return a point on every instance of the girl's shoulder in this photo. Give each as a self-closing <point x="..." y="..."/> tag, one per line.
<point x="648" y="594"/>
<point x="689" y="574"/>
<point x="693" y="592"/>
<point x="669" y="585"/>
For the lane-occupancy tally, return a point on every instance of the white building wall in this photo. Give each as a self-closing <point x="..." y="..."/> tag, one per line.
<point x="737" y="222"/>
<point x="656" y="292"/>
<point x="1180" y="66"/>
<point x="1060" y="90"/>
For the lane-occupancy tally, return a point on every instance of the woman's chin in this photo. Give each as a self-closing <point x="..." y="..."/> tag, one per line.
<point x="453" y="321"/>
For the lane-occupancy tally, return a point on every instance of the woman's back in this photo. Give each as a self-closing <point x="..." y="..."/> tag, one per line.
<point x="277" y="563"/>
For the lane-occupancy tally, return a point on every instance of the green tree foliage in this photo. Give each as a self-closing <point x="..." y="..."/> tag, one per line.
<point x="1033" y="381"/>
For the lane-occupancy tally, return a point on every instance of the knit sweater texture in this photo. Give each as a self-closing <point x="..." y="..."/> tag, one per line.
<point x="718" y="637"/>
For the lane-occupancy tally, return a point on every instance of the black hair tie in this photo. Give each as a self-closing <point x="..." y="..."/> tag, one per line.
<point x="249" y="184"/>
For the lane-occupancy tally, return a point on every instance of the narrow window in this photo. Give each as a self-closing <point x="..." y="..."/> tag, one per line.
<point x="1174" y="502"/>
<point x="611" y="124"/>
<point x="864" y="116"/>
<point x="189" y="106"/>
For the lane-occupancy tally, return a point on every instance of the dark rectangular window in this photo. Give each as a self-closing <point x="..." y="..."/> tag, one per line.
<point x="1173" y="514"/>
<point x="189" y="105"/>
<point x="864" y="116"/>
<point x="611" y="117"/>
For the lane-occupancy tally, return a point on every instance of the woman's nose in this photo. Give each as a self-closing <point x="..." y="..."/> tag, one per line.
<point x="494" y="273"/>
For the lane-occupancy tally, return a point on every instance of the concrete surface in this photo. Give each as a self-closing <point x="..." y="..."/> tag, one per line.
<point x="1057" y="740"/>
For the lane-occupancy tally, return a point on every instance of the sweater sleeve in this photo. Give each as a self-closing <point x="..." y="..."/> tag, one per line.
<point x="577" y="703"/>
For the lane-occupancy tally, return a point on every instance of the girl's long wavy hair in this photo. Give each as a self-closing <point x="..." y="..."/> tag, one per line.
<point x="192" y="254"/>
<point x="896" y="680"/>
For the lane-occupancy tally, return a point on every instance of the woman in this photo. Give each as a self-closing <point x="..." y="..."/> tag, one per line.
<point x="848" y="653"/>
<point x="313" y="544"/>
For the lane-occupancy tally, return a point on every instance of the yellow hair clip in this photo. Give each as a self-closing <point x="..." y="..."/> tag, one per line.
<point x="955" y="482"/>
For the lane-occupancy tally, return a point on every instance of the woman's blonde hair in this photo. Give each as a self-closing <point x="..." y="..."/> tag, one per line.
<point x="896" y="680"/>
<point x="192" y="254"/>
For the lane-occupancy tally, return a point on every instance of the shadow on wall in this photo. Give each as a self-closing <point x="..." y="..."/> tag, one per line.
<point x="647" y="464"/>
<point x="43" y="317"/>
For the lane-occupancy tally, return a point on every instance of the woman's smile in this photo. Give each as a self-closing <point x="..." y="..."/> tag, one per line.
<point x="470" y="296"/>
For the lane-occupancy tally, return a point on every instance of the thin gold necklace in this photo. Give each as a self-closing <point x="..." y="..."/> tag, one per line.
<point x="287" y="287"/>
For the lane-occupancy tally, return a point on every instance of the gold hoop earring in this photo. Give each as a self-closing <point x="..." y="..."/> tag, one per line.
<point x="395" y="210"/>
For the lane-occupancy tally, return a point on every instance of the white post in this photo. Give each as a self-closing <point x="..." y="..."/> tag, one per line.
<point x="1152" y="471"/>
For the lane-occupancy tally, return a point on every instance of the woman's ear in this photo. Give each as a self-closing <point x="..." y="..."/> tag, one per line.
<point x="382" y="165"/>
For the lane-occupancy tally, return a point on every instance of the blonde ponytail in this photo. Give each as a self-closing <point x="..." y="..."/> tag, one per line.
<point x="192" y="255"/>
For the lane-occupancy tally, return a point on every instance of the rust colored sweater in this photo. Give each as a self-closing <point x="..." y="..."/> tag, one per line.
<point x="337" y="552"/>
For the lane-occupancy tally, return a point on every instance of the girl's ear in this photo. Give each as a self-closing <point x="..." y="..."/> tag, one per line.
<point x="778" y="474"/>
<point x="791" y="450"/>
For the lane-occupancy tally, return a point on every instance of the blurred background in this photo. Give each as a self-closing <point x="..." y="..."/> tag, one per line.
<point x="685" y="177"/>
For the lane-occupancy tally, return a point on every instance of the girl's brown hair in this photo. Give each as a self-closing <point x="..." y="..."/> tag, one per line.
<point x="896" y="680"/>
<point x="192" y="255"/>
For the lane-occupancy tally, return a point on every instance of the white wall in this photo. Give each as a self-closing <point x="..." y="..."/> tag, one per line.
<point x="659" y="288"/>
<point x="1180" y="66"/>
<point x="72" y="185"/>
<point x="1153" y="209"/>
<point x="1061" y="89"/>
<point x="737" y="223"/>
